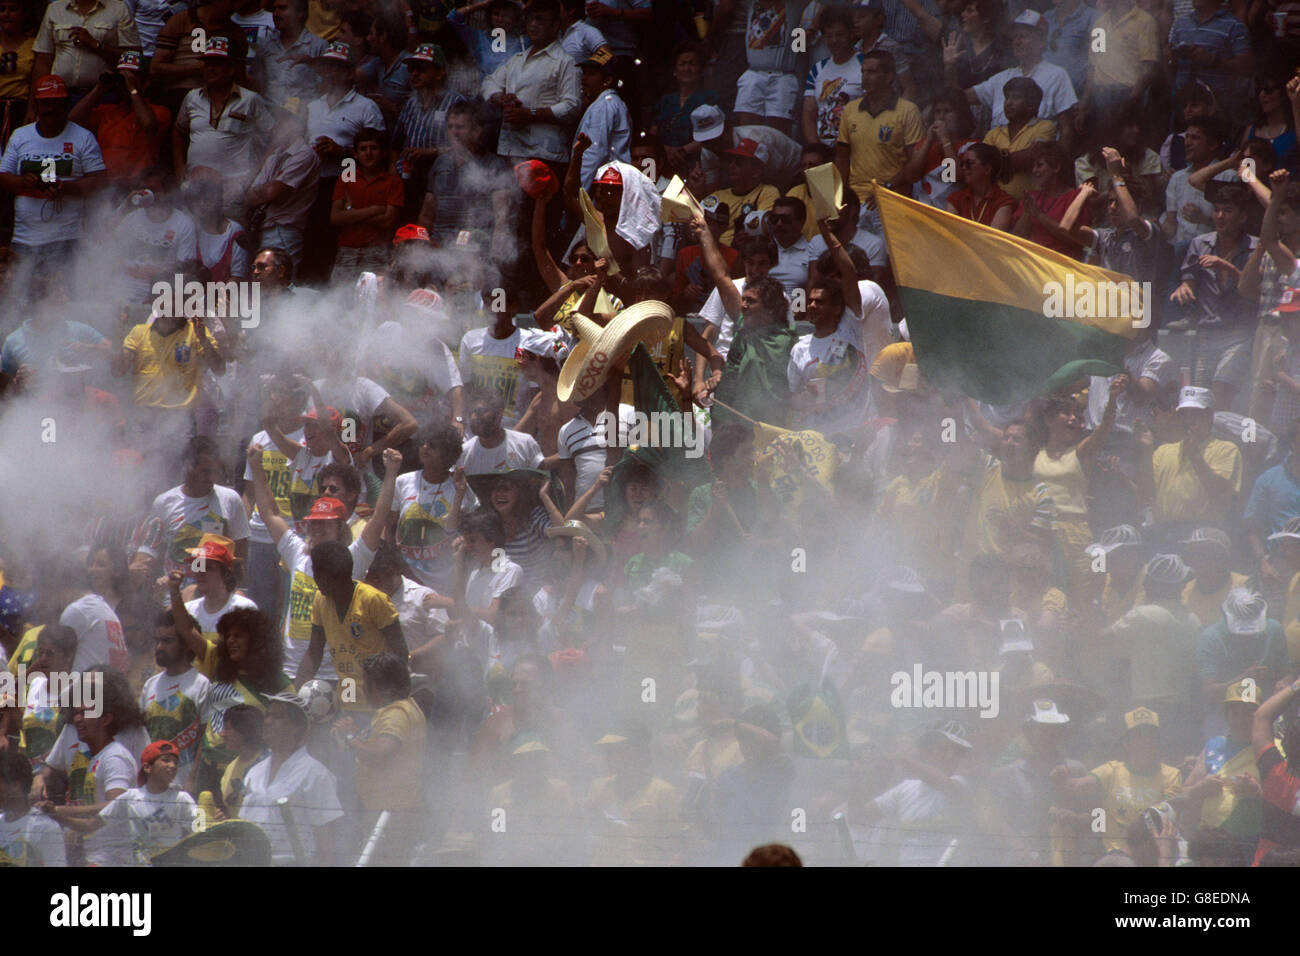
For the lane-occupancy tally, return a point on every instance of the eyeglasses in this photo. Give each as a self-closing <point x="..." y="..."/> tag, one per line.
<point x="779" y="217"/>
<point x="332" y="489"/>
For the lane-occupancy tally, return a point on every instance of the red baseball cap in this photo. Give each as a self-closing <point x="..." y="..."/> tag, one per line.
<point x="213" y="551"/>
<point x="333" y="414"/>
<point x="411" y="231"/>
<point x="159" y="748"/>
<point x="535" y="178"/>
<point x="50" y="87"/>
<point x="326" y="509"/>
<point x="748" y="149"/>
<point x="611" y="177"/>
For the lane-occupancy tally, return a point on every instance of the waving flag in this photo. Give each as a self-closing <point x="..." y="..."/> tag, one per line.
<point x="1000" y="318"/>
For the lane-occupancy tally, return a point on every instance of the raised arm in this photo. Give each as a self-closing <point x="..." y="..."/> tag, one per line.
<point x="848" y="275"/>
<point x="276" y="526"/>
<point x="373" y="534"/>
<point x="717" y="267"/>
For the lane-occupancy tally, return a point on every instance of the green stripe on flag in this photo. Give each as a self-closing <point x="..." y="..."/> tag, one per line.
<point x="1000" y="354"/>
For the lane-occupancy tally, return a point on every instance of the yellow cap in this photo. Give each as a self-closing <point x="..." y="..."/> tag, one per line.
<point x="1141" y="716"/>
<point x="532" y="747"/>
<point x="609" y="739"/>
<point x="1245" y="691"/>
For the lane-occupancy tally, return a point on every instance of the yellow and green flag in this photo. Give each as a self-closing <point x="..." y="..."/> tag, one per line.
<point x="1000" y="318"/>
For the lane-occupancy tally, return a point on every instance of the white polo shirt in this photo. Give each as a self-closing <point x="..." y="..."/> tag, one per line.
<point x="341" y="123"/>
<point x="313" y="802"/>
<point x="791" y="269"/>
<point x="235" y="144"/>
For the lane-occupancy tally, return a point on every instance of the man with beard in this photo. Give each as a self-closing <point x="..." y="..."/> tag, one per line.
<point x="173" y="698"/>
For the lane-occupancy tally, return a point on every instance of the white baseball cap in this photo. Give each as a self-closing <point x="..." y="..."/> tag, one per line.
<point x="1245" y="611"/>
<point x="707" y="122"/>
<point x="1189" y="396"/>
<point x="1119" y="536"/>
<point x="1030" y="18"/>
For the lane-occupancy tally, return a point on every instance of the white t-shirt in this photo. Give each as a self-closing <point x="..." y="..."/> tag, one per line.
<point x="1148" y="362"/>
<point x="100" y="642"/>
<point x="420" y="624"/>
<point x="140" y="824"/>
<point x="313" y="801"/>
<point x="152" y="250"/>
<point x="67" y="745"/>
<point x="1058" y="91"/>
<point x="791" y="269"/>
<point x="518" y="450"/>
<point x="213" y="245"/>
<point x="150" y="17"/>
<point x="422" y="535"/>
<point x="208" y="622"/>
<point x="31" y="840"/>
<point x="173" y="706"/>
<point x="482" y="588"/>
<point x="356" y="398"/>
<point x="1179" y="192"/>
<point x="185" y="520"/>
<point x="257" y="27"/>
<point x="74" y="152"/>
<point x="832" y="85"/>
<point x="489" y="362"/>
<point x="837" y="367"/>
<point x="279" y="478"/>
<point x="302" y="591"/>
<point x="584" y="443"/>
<point x="113" y="768"/>
<point x="927" y="825"/>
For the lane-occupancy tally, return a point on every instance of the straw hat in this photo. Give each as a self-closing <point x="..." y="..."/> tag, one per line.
<point x="601" y="349"/>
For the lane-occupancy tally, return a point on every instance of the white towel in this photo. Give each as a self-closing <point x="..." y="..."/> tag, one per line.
<point x="638" y="215"/>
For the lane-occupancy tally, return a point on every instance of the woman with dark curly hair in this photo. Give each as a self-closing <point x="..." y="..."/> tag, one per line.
<point x="249" y="669"/>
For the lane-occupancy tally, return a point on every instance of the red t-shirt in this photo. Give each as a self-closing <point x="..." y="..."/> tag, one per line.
<point x="988" y="207"/>
<point x="386" y="189"/>
<point x="127" y="151"/>
<point x="1055" y="208"/>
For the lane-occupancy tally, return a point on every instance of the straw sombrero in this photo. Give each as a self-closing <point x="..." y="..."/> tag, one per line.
<point x="601" y="349"/>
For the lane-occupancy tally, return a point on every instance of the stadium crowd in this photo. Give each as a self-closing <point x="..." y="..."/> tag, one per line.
<point x="313" y="483"/>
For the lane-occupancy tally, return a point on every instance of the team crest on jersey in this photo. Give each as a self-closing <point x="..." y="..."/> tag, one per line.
<point x="886" y="132"/>
<point x="182" y="354"/>
<point x="355" y="630"/>
<point x="67" y="147"/>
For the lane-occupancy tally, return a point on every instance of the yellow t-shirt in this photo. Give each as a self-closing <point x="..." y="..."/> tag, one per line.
<point x="712" y="755"/>
<point x="1035" y="131"/>
<point x="740" y="205"/>
<point x="605" y="304"/>
<point x="232" y="783"/>
<point x="25" y="650"/>
<point x="1000" y="502"/>
<point x="919" y="515"/>
<point x="397" y="785"/>
<point x="166" y="369"/>
<point x="1179" y="493"/>
<point x="642" y="830"/>
<point x="1208" y="608"/>
<point x="14" y="82"/>
<point x="1131" y="42"/>
<point x="1124" y="795"/>
<point x="324" y="23"/>
<point x="1064" y="482"/>
<point x="356" y="635"/>
<point x="878" y="144"/>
